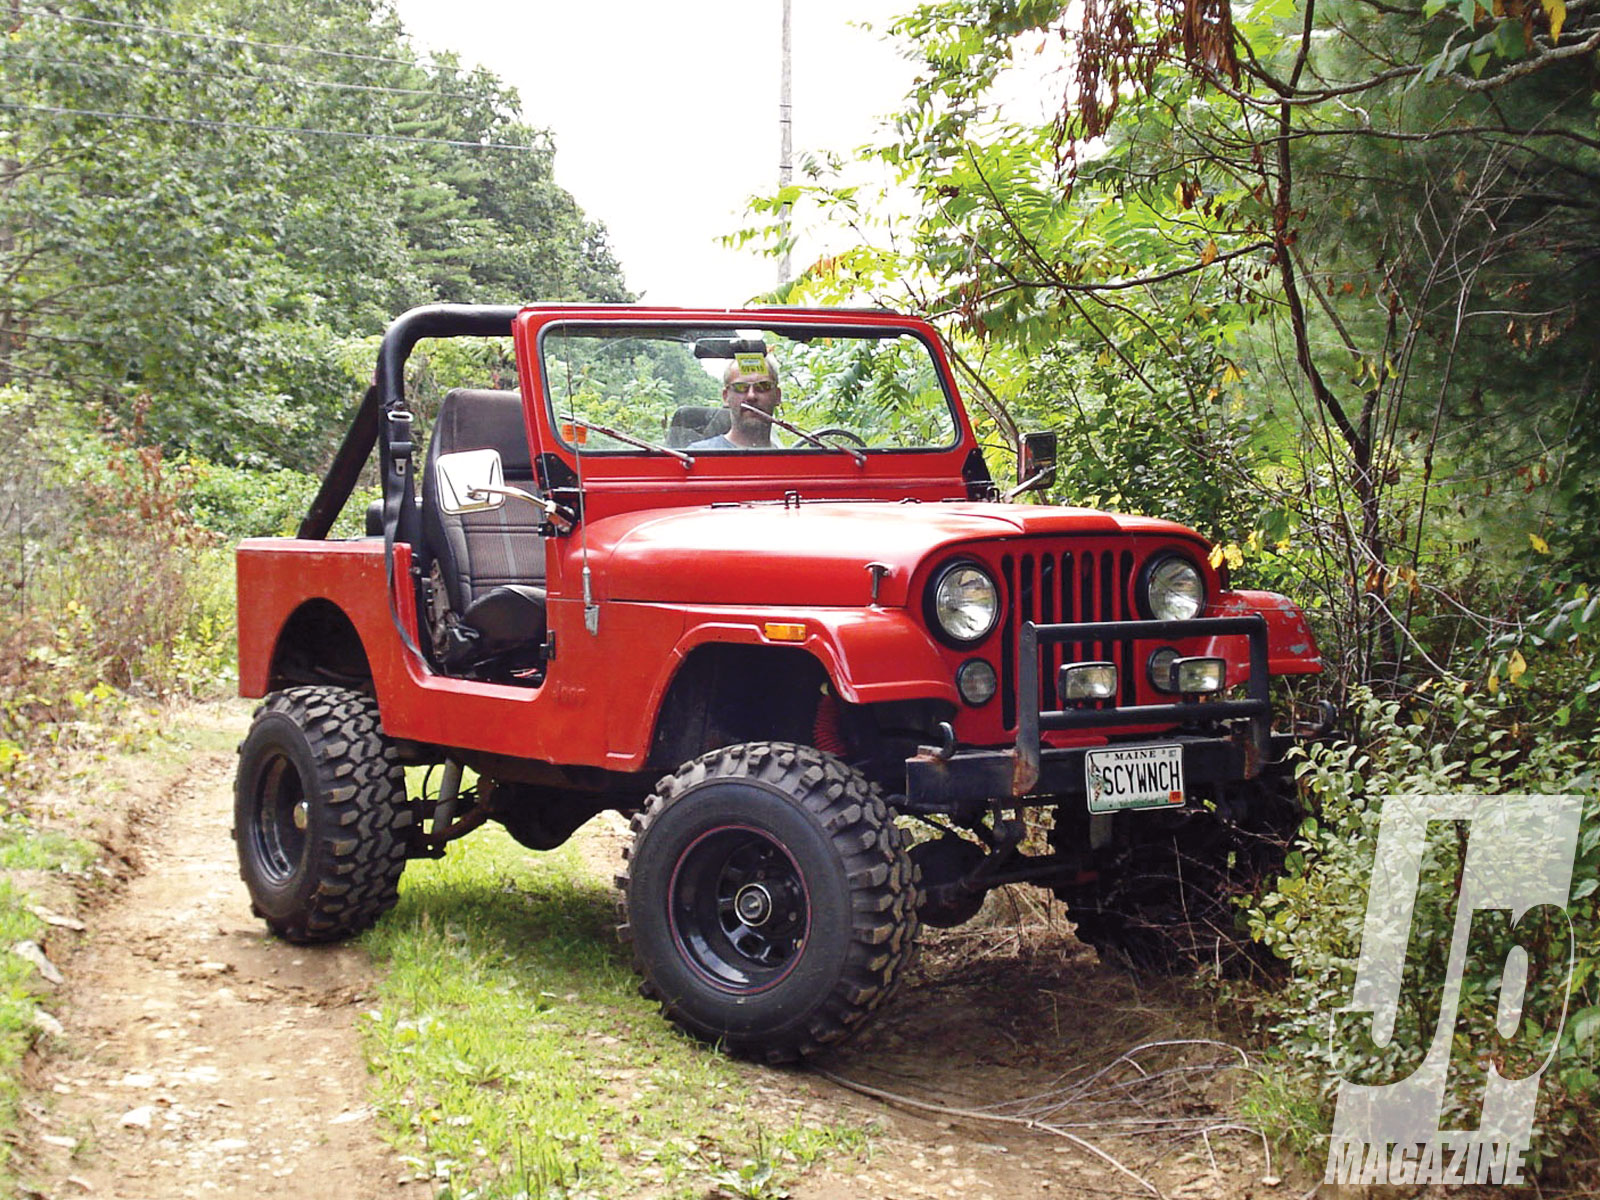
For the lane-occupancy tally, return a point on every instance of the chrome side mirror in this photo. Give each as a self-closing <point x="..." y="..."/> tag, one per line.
<point x="470" y="481"/>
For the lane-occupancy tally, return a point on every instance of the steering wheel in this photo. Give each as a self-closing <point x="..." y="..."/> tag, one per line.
<point x="838" y="432"/>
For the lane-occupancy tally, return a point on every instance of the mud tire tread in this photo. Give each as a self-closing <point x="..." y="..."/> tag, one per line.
<point x="1165" y="905"/>
<point x="357" y="847"/>
<point x="851" y="813"/>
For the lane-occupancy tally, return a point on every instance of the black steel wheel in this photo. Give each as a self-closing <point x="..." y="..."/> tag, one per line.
<point x="738" y="908"/>
<point x="769" y="899"/>
<point x="1163" y="896"/>
<point x="320" y="814"/>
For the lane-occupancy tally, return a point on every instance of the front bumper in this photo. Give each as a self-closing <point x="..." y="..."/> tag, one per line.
<point x="950" y="780"/>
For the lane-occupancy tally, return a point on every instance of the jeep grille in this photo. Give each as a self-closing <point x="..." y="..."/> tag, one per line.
<point x="1076" y="585"/>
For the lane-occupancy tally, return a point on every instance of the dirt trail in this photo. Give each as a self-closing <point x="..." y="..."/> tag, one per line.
<point x="1037" y="1066"/>
<point x="1012" y="1063"/>
<point x="199" y="1057"/>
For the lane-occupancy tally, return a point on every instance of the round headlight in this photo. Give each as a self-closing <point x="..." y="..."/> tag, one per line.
<point x="965" y="603"/>
<point x="1174" y="589"/>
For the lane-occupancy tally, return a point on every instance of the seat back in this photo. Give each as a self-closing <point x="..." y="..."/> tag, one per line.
<point x="480" y="551"/>
<point x="695" y="421"/>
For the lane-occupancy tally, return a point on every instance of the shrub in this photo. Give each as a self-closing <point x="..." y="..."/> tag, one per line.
<point x="113" y="588"/>
<point x="1445" y="739"/>
<point x="1547" y="669"/>
<point x="238" y="503"/>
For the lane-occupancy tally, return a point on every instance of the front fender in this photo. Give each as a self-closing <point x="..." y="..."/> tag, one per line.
<point x="1291" y="647"/>
<point x="871" y="655"/>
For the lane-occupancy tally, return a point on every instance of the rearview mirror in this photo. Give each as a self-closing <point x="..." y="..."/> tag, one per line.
<point x="1036" y="466"/>
<point x="470" y="481"/>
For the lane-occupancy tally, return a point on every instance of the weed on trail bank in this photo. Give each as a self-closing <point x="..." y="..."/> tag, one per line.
<point x="64" y="816"/>
<point x="512" y="1055"/>
<point x="24" y="853"/>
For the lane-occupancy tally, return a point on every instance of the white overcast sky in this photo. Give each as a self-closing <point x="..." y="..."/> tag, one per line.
<point x="665" y="115"/>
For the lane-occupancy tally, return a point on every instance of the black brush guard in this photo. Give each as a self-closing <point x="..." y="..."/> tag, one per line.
<point x="950" y="780"/>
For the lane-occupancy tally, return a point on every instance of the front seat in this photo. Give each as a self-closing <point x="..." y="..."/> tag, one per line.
<point x="693" y="422"/>
<point x="490" y="620"/>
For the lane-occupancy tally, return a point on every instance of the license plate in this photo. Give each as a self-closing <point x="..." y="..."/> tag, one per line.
<point x="1134" y="777"/>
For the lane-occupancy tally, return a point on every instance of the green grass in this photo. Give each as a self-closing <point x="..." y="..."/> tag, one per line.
<point x="25" y="849"/>
<point x="1290" y="1108"/>
<point x="512" y="1055"/>
<point x="18" y="976"/>
<point x="18" y="1001"/>
<point x="176" y="743"/>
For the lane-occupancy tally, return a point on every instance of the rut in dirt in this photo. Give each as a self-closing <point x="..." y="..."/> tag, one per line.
<point x="200" y="1057"/>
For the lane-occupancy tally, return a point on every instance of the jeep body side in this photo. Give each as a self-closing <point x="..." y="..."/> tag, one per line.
<point x="767" y="657"/>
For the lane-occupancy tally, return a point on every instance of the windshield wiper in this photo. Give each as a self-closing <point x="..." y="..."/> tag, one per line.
<point x="861" y="459"/>
<point x="686" y="459"/>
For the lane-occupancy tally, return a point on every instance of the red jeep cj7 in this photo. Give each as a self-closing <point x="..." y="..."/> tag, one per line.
<point x="745" y="576"/>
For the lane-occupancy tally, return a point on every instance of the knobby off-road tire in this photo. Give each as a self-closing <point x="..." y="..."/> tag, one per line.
<point x="320" y="814"/>
<point x="769" y="899"/>
<point x="1164" y="899"/>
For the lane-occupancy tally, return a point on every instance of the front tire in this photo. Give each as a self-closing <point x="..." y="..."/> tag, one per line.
<point x="1164" y="898"/>
<point x="320" y="814"/>
<point x="769" y="899"/>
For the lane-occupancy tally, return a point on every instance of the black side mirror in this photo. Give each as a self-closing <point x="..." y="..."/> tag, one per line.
<point x="1036" y="466"/>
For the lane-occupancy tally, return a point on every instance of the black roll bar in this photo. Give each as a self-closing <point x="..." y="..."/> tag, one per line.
<point x="387" y="395"/>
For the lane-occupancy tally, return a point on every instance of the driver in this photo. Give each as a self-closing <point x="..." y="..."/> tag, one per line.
<point x="750" y="379"/>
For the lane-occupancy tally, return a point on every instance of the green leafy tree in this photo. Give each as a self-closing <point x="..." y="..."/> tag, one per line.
<point x="1356" y="232"/>
<point x="201" y="201"/>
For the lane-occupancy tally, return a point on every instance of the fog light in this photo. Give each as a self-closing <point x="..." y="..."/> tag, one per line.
<point x="1087" y="681"/>
<point x="1198" y="676"/>
<point x="976" y="681"/>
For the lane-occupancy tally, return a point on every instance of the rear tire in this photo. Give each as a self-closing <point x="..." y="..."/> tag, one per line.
<point x="320" y="814"/>
<point x="769" y="899"/>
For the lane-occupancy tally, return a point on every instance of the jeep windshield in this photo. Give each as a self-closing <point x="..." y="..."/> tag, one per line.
<point x="731" y="389"/>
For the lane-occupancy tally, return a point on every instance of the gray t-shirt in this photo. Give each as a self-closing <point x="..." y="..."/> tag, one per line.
<point x="720" y="442"/>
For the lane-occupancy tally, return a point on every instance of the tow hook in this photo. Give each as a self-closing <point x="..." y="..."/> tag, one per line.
<point x="945" y="750"/>
<point x="1250" y="747"/>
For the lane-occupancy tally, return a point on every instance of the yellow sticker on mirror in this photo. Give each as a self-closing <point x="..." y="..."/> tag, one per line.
<point x="751" y="364"/>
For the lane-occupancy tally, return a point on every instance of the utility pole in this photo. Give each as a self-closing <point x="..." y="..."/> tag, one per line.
<point x="785" y="143"/>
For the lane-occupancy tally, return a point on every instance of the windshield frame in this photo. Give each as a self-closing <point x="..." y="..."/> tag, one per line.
<point x="812" y="323"/>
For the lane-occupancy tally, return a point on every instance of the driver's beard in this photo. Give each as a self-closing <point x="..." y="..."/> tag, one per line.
<point x="753" y="430"/>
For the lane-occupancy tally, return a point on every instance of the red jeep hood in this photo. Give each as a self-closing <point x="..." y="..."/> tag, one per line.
<point x="809" y="555"/>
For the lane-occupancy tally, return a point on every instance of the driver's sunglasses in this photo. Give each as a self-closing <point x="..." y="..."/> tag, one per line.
<point x="761" y="387"/>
